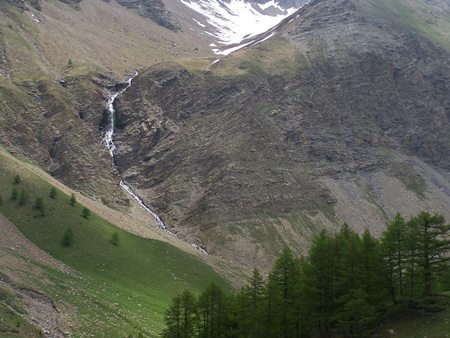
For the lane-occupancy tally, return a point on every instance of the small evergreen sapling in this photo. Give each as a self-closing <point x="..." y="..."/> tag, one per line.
<point x="17" y="179"/>
<point x="53" y="192"/>
<point x="85" y="213"/>
<point x="14" y="194"/>
<point x="23" y="197"/>
<point x="114" y="239"/>
<point x="68" y="240"/>
<point x="72" y="200"/>
<point x="39" y="205"/>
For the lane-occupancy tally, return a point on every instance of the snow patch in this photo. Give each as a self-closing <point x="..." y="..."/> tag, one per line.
<point x="235" y="20"/>
<point x="199" y="23"/>
<point x="270" y="4"/>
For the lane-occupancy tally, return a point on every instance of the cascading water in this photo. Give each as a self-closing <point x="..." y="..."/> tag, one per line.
<point x="109" y="143"/>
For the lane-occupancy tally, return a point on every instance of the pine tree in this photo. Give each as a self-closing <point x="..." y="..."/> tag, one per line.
<point x="283" y="285"/>
<point x="412" y="257"/>
<point x="212" y="313"/>
<point x="72" y="200"/>
<point x="372" y="269"/>
<point x="254" y="294"/>
<point x="17" y="179"/>
<point x="85" y="213"/>
<point x="68" y="238"/>
<point x="173" y="319"/>
<point x="181" y="318"/>
<point x="393" y="240"/>
<point x="14" y="194"/>
<point x="1" y="200"/>
<point x="356" y="316"/>
<point x="23" y="197"/>
<point x="434" y="247"/>
<point x="319" y="281"/>
<point x="39" y="205"/>
<point x="114" y="239"/>
<point x="53" y="193"/>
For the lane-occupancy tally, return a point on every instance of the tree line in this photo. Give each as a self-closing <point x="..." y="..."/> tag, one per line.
<point x="345" y="286"/>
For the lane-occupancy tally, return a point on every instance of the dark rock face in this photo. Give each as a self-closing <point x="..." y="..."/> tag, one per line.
<point x="154" y="10"/>
<point x="221" y="158"/>
<point x="36" y="4"/>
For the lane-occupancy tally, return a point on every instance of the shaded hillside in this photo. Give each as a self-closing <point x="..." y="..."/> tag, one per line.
<point x="57" y="66"/>
<point x="342" y="117"/>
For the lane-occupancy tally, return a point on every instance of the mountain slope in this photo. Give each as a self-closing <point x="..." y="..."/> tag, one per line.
<point x="102" y="288"/>
<point x="342" y="117"/>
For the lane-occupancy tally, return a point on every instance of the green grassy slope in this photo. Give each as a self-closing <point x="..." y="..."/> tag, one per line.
<point x="435" y="325"/>
<point x="421" y="16"/>
<point x="135" y="279"/>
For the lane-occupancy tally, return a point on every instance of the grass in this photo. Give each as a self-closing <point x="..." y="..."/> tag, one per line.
<point x="132" y="282"/>
<point x="436" y="325"/>
<point x="419" y="16"/>
<point x="273" y="57"/>
<point x="12" y="324"/>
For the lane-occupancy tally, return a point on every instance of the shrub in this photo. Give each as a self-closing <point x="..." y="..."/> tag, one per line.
<point x="53" y="192"/>
<point x="23" y="197"/>
<point x="68" y="238"/>
<point x="85" y="213"/>
<point x="17" y="179"/>
<point x="72" y="200"/>
<point x="39" y="205"/>
<point x="114" y="239"/>
<point x="14" y="194"/>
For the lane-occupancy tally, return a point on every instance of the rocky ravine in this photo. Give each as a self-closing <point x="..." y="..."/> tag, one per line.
<point x="248" y="163"/>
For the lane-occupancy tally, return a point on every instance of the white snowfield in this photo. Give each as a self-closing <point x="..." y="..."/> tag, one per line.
<point x="232" y="21"/>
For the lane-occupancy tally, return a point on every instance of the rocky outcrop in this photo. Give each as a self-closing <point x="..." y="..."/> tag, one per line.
<point x="249" y="163"/>
<point x="154" y="10"/>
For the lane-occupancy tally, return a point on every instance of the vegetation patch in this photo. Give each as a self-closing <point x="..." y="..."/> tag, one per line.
<point x="128" y="280"/>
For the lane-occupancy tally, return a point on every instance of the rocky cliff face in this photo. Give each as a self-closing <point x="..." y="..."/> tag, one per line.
<point x="154" y="10"/>
<point x="355" y="122"/>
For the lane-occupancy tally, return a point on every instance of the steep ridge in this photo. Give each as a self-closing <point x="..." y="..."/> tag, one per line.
<point x="57" y="66"/>
<point x="343" y="117"/>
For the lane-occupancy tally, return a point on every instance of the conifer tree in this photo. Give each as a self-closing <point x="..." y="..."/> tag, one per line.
<point x="283" y="287"/>
<point x="39" y="205"/>
<point x="372" y="269"/>
<point x="254" y="294"/>
<point x="173" y="319"/>
<point x="181" y="317"/>
<point x="393" y="240"/>
<point x="85" y="213"/>
<point x="114" y="239"/>
<point x="434" y="246"/>
<point x="23" y="197"/>
<point x="319" y="282"/>
<point x="72" y="200"/>
<point x="68" y="238"/>
<point x="212" y="313"/>
<point x="14" y="194"/>
<point x="412" y="260"/>
<point x="1" y="200"/>
<point x="53" y="193"/>
<point x="17" y="179"/>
